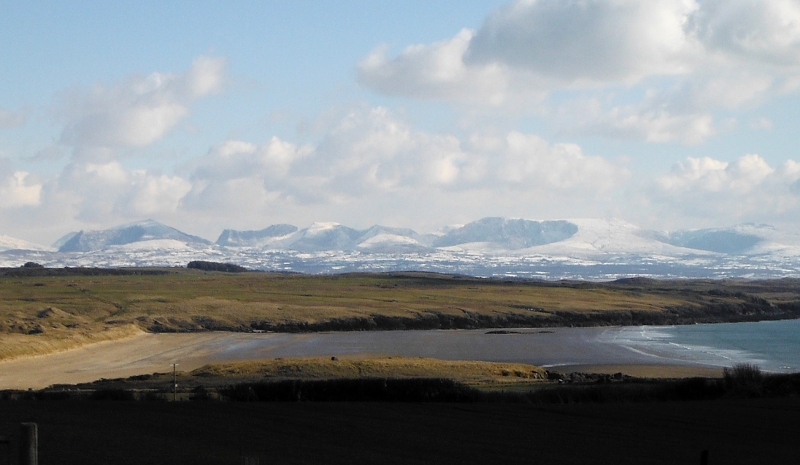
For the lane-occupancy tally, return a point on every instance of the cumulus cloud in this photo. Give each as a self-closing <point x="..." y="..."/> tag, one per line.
<point x="138" y="111"/>
<point x="684" y="58"/>
<point x="710" y="175"/>
<point x="438" y="71"/>
<point x="19" y="190"/>
<point x="370" y="153"/>
<point x="651" y="121"/>
<point x="99" y="192"/>
<point x="590" y="41"/>
<point x="747" y="189"/>
<point x="753" y="31"/>
<point x="533" y="47"/>
<point x="527" y="161"/>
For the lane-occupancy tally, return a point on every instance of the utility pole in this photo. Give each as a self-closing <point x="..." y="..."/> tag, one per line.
<point x="174" y="382"/>
<point x="29" y="444"/>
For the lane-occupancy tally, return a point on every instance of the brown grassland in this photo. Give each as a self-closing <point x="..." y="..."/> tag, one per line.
<point x="44" y="311"/>
<point x="60" y="309"/>
<point x="478" y="374"/>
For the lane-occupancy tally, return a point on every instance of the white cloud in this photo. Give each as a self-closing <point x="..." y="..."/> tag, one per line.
<point x="713" y="191"/>
<point x="707" y="174"/>
<point x="205" y="76"/>
<point x="753" y="31"/>
<point x="528" y="161"/>
<point x="664" y="67"/>
<point x="19" y="190"/>
<point x="369" y="154"/>
<point x="648" y="121"/>
<point x="107" y="191"/>
<point x="532" y="47"/>
<point x="138" y="111"/>
<point x="587" y="41"/>
<point x="437" y="71"/>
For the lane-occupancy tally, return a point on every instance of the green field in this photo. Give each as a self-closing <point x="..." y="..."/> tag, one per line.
<point x="59" y="309"/>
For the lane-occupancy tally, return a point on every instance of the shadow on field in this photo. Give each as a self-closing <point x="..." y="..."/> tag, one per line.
<point x="745" y="417"/>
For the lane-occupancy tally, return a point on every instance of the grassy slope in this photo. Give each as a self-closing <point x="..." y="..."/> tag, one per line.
<point x="469" y="372"/>
<point x="47" y="313"/>
<point x="473" y="373"/>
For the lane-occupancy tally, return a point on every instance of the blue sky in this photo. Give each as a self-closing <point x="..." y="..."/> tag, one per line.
<point x="666" y="113"/>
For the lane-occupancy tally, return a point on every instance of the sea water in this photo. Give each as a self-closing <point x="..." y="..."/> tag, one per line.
<point x="772" y="345"/>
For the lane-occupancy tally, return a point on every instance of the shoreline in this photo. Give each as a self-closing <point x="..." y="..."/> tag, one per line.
<point x="665" y="371"/>
<point x="556" y="349"/>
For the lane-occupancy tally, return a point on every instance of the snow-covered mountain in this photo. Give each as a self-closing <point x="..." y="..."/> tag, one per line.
<point x="12" y="243"/>
<point x="382" y="239"/>
<point x="572" y="248"/>
<point x="143" y="231"/>
<point x="261" y="238"/>
<point x="508" y="234"/>
<point x="329" y="237"/>
<point x="574" y="237"/>
<point x="323" y="236"/>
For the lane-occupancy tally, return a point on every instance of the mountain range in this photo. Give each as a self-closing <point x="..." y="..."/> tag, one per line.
<point x="489" y="244"/>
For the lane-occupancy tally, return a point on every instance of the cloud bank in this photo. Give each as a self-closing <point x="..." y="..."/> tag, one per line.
<point x="685" y="59"/>
<point x="661" y="72"/>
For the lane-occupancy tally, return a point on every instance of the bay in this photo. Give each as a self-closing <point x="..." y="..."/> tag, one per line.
<point x="771" y="345"/>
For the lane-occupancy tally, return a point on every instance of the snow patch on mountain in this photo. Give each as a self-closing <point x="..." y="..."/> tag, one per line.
<point x="507" y="234"/>
<point x="154" y="245"/>
<point x="609" y="236"/>
<point x="148" y="230"/>
<point x="12" y="243"/>
<point x="262" y="238"/>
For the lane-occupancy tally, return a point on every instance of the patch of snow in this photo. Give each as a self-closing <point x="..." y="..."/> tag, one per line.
<point x="12" y="243"/>
<point x="317" y="228"/>
<point x="387" y="239"/>
<point x="153" y="245"/>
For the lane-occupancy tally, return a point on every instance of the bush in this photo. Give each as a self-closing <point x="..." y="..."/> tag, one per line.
<point x="741" y="374"/>
<point x="215" y="266"/>
<point x="744" y="379"/>
<point x="355" y="390"/>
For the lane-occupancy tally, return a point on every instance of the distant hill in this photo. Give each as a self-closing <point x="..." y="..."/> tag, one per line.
<point x="148" y="230"/>
<point x="234" y="238"/>
<point x="12" y="243"/>
<point x="509" y="233"/>
<point x="728" y="241"/>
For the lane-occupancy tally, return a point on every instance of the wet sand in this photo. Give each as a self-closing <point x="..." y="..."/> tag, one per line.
<point x="560" y="349"/>
<point x="647" y="371"/>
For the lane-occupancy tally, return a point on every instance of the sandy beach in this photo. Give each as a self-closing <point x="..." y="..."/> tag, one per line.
<point x="559" y="349"/>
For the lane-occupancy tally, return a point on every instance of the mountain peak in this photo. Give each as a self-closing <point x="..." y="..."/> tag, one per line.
<point x="514" y="233"/>
<point x="140" y="231"/>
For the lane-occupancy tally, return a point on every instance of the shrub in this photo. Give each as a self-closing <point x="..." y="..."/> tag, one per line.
<point x="742" y="373"/>
<point x="215" y="266"/>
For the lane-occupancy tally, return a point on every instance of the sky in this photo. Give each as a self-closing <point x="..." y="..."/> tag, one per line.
<point x="669" y="114"/>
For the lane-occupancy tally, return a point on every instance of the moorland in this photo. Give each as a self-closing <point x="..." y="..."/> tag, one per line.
<point x="468" y="412"/>
<point x="47" y="310"/>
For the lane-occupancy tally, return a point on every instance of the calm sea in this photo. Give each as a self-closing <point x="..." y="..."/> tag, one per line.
<point x="772" y="345"/>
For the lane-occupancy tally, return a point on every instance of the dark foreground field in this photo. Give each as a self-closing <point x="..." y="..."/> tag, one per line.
<point x="109" y="432"/>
